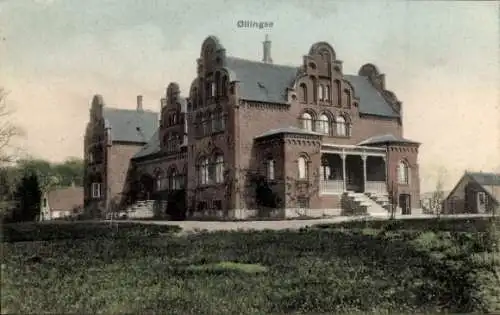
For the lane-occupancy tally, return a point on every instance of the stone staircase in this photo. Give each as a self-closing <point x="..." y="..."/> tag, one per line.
<point x="368" y="205"/>
<point x="143" y="209"/>
<point x="380" y="198"/>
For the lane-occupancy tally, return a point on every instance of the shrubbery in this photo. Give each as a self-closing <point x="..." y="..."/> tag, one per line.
<point x="25" y="232"/>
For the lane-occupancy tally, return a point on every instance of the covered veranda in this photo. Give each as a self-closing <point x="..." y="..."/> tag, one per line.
<point x="352" y="168"/>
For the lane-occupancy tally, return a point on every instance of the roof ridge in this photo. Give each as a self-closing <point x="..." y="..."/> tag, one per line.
<point x="263" y="63"/>
<point x="132" y="110"/>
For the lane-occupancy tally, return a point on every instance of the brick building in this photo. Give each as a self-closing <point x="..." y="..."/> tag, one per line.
<point x="259" y="139"/>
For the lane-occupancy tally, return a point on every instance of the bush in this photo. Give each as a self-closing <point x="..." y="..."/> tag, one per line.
<point x="23" y="232"/>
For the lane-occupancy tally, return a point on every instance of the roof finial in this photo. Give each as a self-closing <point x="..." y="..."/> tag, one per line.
<point x="267" y="50"/>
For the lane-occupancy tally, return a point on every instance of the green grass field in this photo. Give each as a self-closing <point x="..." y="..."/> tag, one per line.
<point x="332" y="269"/>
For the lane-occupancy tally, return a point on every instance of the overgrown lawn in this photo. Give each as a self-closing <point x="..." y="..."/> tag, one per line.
<point x="328" y="270"/>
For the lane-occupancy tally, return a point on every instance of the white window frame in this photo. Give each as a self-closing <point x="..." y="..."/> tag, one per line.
<point x="219" y="169"/>
<point x="302" y="167"/>
<point x="324" y="124"/>
<point x="204" y="171"/>
<point x="307" y="122"/>
<point x="403" y="171"/>
<point x="321" y="92"/>
<point x="271" y="169"/>
<point x="96" y="190"/>
<point x="341" y="126"/>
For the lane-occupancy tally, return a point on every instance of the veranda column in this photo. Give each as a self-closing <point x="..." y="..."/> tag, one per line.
<point x="385" y="172"/>
<point x="344" y="177"/>
<point x="363" y="157"/>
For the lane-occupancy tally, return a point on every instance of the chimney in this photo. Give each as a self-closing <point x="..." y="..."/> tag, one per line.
<point x="267" y="51"/>
<point x="139" y="103"/>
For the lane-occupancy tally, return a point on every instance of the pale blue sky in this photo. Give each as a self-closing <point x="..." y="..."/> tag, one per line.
<point x="440" y="58"/>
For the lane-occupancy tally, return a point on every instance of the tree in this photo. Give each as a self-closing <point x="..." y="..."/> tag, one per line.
<point x="52" y="175"/>
<point x="437" y="198"/>
<point x="7" y="130"/>
<point x="27" y="195"/>
<point x="8" y="182"/>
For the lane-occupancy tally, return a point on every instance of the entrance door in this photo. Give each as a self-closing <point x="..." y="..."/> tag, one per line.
<point x="405" y="203"/>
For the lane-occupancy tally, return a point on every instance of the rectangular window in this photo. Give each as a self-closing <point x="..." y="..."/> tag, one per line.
<point x="44" y="202"/>
<point x="96" y="190"/>
<point x="270" y="169"/>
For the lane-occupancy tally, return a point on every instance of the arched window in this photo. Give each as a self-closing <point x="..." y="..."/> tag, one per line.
<point x="213" y="89"/>
<point x="219" y="168"/>
<point x="341" y="126"/>
<point x="328" y="92"/>
<point x="270" y="168"/>
<point x="324" y="124"/>
<point x="203" y="171"/>
<point x="214" y="122"/>
<point x="205" y="124"/>
<point x="315" y="88"/>
<point x="218" y="121"/>
<point x="224" y="85"/>
<point x="321" y="92"/>
<point x="303" y="92"/>
<point x="403" y="173"/>
<point x="199" y="125"/>
<point x="338" y="87"/>
<point x="217" y="88"/>
<point x="306" y="121"/>
<point x="303" y="168"/>
<point x="173" y="180"/>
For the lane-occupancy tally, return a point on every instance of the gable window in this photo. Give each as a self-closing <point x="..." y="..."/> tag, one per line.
<point x="205" y="125"/>
<point x="348" y="98"/>
<point x="218" y="121"/>
<point x="306" y="121"/>
<point x="324" y="124"/>
<point x="219" y="169"/>
<point x="96" y="190"/>
<point x="338" y="87"/>
<point x="402" y="171"/>
<point x="270" y="169"/>
<point x="224" y="86"/>
<point x="303" y="92"/>
<point x="328" y="91"/>
<point x="321" y="92"/>
<point x="303" y="168"/>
